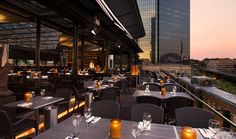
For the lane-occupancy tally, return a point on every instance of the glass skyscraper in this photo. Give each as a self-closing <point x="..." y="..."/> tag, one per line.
<point x="167" y="27"/>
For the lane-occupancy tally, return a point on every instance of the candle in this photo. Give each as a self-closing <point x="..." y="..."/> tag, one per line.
<point x="163" y="91"/>
<point x="188" y="133"/>
<point x="161" y="82"/>
<point x="115" y="128"/>
<point x="27" y="97"/>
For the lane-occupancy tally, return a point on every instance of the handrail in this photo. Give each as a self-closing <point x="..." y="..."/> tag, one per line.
<point x="215" y="111"/>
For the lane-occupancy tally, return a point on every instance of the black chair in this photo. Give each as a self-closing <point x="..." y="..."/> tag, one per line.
<point x="105" y="109"/>
<point x="194" y="117"/>
<point x="88" y="83"/>
<point x="109" y="93"/>
<point x="169" y="87"/>
<point x="156" y="112"/>
<point x="10" y="128"/>
<point x="65" y="93"/>
<point x="152" y="86"/>
<point x="175" y="103"/>
<point x="148" y="99"/>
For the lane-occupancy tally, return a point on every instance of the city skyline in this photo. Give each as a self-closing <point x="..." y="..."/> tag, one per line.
<point x="212" y="29"/>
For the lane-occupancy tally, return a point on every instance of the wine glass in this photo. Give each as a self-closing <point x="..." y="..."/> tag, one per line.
<point x="42" y="92"/>
<point x="213" y="126"/>
<point x="147" y="89"/>
<point x="87" y="115"/>
<point x="147" y="120"/>
<point x="174" y="89"/>
<point x="136" y="130"/>
<point x="76" y="120"/>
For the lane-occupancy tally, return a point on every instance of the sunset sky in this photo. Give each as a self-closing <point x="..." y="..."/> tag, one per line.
<point x="213" y="29"/>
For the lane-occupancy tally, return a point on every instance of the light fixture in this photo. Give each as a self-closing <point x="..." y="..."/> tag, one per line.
<point x="91" y="65"/>
<point x="95" y="30"/>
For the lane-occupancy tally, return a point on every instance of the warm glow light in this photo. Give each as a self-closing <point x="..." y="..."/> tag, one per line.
<point x="2" y="18"/>
<point x="91" y="65"/>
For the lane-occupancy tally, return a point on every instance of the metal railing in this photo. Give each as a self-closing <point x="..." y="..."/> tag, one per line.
<point x="204" y="103"/>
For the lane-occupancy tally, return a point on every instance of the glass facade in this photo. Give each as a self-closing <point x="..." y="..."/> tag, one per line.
<point x="167" y="30"/>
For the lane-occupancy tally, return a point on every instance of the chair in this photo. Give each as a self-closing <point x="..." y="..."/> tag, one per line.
<point x="176" y="102"/>
<point x="105" y="109"/>
<point x="10" y="128"/>
<point x="88" y="83"/>
<point x="194" y="117"/>
<point x="109" y="93"/>
<point x="65" y="93"/>
<point x="156" y="112"/>
<point x="169" y="87"/>
<point x="148" y="99"/>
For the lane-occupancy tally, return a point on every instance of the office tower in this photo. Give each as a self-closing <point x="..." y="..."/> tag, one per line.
<point x="167" y="27"/>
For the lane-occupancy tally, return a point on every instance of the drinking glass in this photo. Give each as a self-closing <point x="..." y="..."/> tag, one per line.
<point x="174" y="89"/>
<point x="136" y="130"/>
<point x="225" y="133"/>
<point x="147" y="120"/>
<point x="147" y="88"/>
<point x="42" y="92"/>
<point x="87" y="115"/>
<point x="213" y="126"/>
<point x="76" y="120"/>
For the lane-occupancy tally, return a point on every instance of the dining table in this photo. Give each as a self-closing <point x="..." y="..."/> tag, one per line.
<point x="101" y="130"/>
<point x="157" y="94"/>
<point x="37" y="103"/>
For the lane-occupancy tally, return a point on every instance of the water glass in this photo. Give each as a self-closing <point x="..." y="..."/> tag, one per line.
<point x="213" y="126"/>
<point x="87" y="115"/>
<point x="225" y="133"/>
<point x="147" y="120"/>
<point x="76" y="120"/>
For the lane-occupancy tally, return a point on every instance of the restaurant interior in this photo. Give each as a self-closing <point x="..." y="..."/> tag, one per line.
<point x="70" y="70"/>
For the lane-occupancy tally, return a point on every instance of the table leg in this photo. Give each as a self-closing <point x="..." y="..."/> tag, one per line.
<point x="37" y="121"/>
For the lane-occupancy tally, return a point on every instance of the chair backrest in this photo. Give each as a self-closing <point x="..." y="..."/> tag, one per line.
<point x="88" y="83"/>
<point x="105" y="109"/>
<point x="109" y="93"/>
<point x="65" y="93"/>
<point x="156" y="112"/>
<point x="152" y="86"/>
<point x="105" y="79"/>
<point x="5" y="128"/>
<point x="176" y="102"/>
<point x="5" y="100"/>
<point x="169" y="86"/>
<point x="148" y="99"/>
<point x="194" y="117"/>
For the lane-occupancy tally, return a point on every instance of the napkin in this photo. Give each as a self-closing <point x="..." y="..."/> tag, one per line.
<point x="142" y="125"/>
<point x="96" y="119"/>
<point x="24" y="104"/>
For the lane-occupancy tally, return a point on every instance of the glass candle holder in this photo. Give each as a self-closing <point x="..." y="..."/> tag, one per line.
<point x="27" y="97"/>
<point x="161" y="82"/>
<point x="188" y="133"/>
<point x="115" y="128"/>
<point x="163" y="91"/>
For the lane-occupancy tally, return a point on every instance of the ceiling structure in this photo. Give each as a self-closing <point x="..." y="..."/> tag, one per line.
<point x="58" y="17"/>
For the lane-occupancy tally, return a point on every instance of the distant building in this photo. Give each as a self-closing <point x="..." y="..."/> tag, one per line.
<point x="222" y="64"/>
<point x="167" y="27"/>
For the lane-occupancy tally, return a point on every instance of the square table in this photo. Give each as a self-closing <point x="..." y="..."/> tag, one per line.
<point x="37" y="103"/>
<point x="100" y="130"/>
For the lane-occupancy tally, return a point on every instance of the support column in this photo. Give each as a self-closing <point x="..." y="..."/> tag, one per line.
<point x="75" y="54"/>
<point x="129" y="62"/>
<point x="120" y="60"/>
<point x="82" y="55"/>
<point x="37" y="48"/>
<point x="107" y="55"/>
